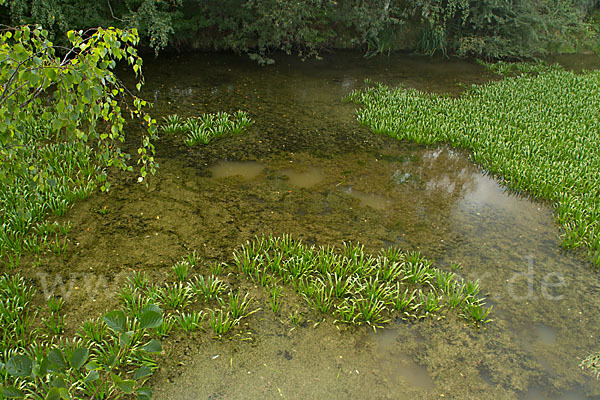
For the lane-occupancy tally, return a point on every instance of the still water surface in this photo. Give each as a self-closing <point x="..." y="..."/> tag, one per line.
<point x="307" y="168"/>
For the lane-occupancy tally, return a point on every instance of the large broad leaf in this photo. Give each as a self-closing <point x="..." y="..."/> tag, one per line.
<point x="150" y="319"/>
<point x="92" y="365"/>
<point x="116" y="320"/>
<point x="79" y="357"/>
<point x="19" y="366"/>
<point x="151" y="307"/>
<point x="56" y="359"/>
<point x="142" y="372"/>
<point x="40" y="367"/>
<point x="53" y="394"/>
<point x="126" y="385"/>
<point x="92" y="376"/>
<point x="12" y="392"/>
<point x="59" y="382"/>
<point x="57" y="393"/>
<point x="153" y="346"/>
<point x="144" y="393"/>
<point x="125" y="338"/>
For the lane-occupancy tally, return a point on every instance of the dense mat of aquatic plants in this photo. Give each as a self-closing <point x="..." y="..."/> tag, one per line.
<point x="357" y="287"/>
<point x="113" y="355"/>
<point x="203" y="129"/>
<point x="42" y="176"/>
<point x="110" y="356"/>
<point x="538" y="133"/>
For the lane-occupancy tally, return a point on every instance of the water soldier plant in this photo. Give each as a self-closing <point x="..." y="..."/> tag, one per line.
<point x="538" y="133"/>
<point x="205" y="128"/>
<point x="360" y="288"/>
<point x="109" y="358"/>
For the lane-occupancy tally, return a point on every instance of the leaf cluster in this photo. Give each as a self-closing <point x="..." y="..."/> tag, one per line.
<point x="111" y="357"/>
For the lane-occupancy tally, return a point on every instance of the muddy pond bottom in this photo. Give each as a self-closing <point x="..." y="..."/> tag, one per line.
<point x="306" y="168"/>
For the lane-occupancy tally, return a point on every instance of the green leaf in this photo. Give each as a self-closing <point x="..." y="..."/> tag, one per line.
<point x="126" y="385"/>
<point x="92" y="365"/>
<point x="116" y="320"/>
<point x="64" y="394"/>
<point x="125" y="338"/>
<point x="150" y="319"/>
<point x="33" y="79"/>
<point x="40" y="367"/>
<point x="53" y="394"/>
<point x="12" y="392"/>
<point x="144" y="393"/>
<point x="57" y="359"/>
<point x="50" y="73"/>
<point x="79" y="357"/>
<point x="151" y="307"/>
<point x="59" y="382"/>
<point x="153" y="346"/>
<point x="142" y="372"/>
<point x="19" y="366"/>
<point x="92" y="376"/>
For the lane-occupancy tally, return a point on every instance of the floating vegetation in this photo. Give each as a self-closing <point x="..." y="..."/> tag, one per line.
<point x="181" y="270"/>
<point x="539" y="132"/>
<point x="360" y="288"/>
<point x="506" y="68"/>
<point x="203" y="129"/>
<point x="172" y="124"/>
<point x="111" y="356"/>
<point x="275" y="298"/>
<point x="15" y="318"/>
<point x="175" y="296"/>
<point x="221" y="322"/>
<point x="239" y="306"/>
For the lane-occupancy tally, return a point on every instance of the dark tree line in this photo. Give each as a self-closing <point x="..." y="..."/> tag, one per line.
<point x="482" y="28"/>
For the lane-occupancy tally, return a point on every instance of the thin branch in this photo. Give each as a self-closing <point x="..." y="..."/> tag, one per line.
<point x="111" y="12"/>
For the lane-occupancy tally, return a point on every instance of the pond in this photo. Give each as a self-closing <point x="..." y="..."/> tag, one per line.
<point x="306" y="168"/>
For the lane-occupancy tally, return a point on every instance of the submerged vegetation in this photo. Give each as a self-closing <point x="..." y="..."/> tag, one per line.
<point x="357" y="287"/>
<point x="108" y="358"/>
<point x="538" y="132"/>
<point x="203" y="129"/>
<point x="112" y="356"/>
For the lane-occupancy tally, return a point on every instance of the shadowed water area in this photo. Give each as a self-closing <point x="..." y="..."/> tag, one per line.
<point x="308" y="169"/>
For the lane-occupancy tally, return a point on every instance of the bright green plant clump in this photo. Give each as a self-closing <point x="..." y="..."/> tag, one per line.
<point x="360" y="288"/>
<point x="110" y="357"/>
<point x="203" y="129"/>
<point x="538" y="133"/>
<point x="62" y="118"/>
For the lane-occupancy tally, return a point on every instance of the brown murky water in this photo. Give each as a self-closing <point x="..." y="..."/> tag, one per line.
<point x="307" y="168"/>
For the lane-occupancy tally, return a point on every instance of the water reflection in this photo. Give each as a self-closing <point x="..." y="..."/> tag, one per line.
<point x="546" y="309"/>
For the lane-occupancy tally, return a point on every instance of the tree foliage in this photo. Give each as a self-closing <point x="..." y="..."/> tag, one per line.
<point x="76" y="95"/>
<point x="484" y="28"/>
